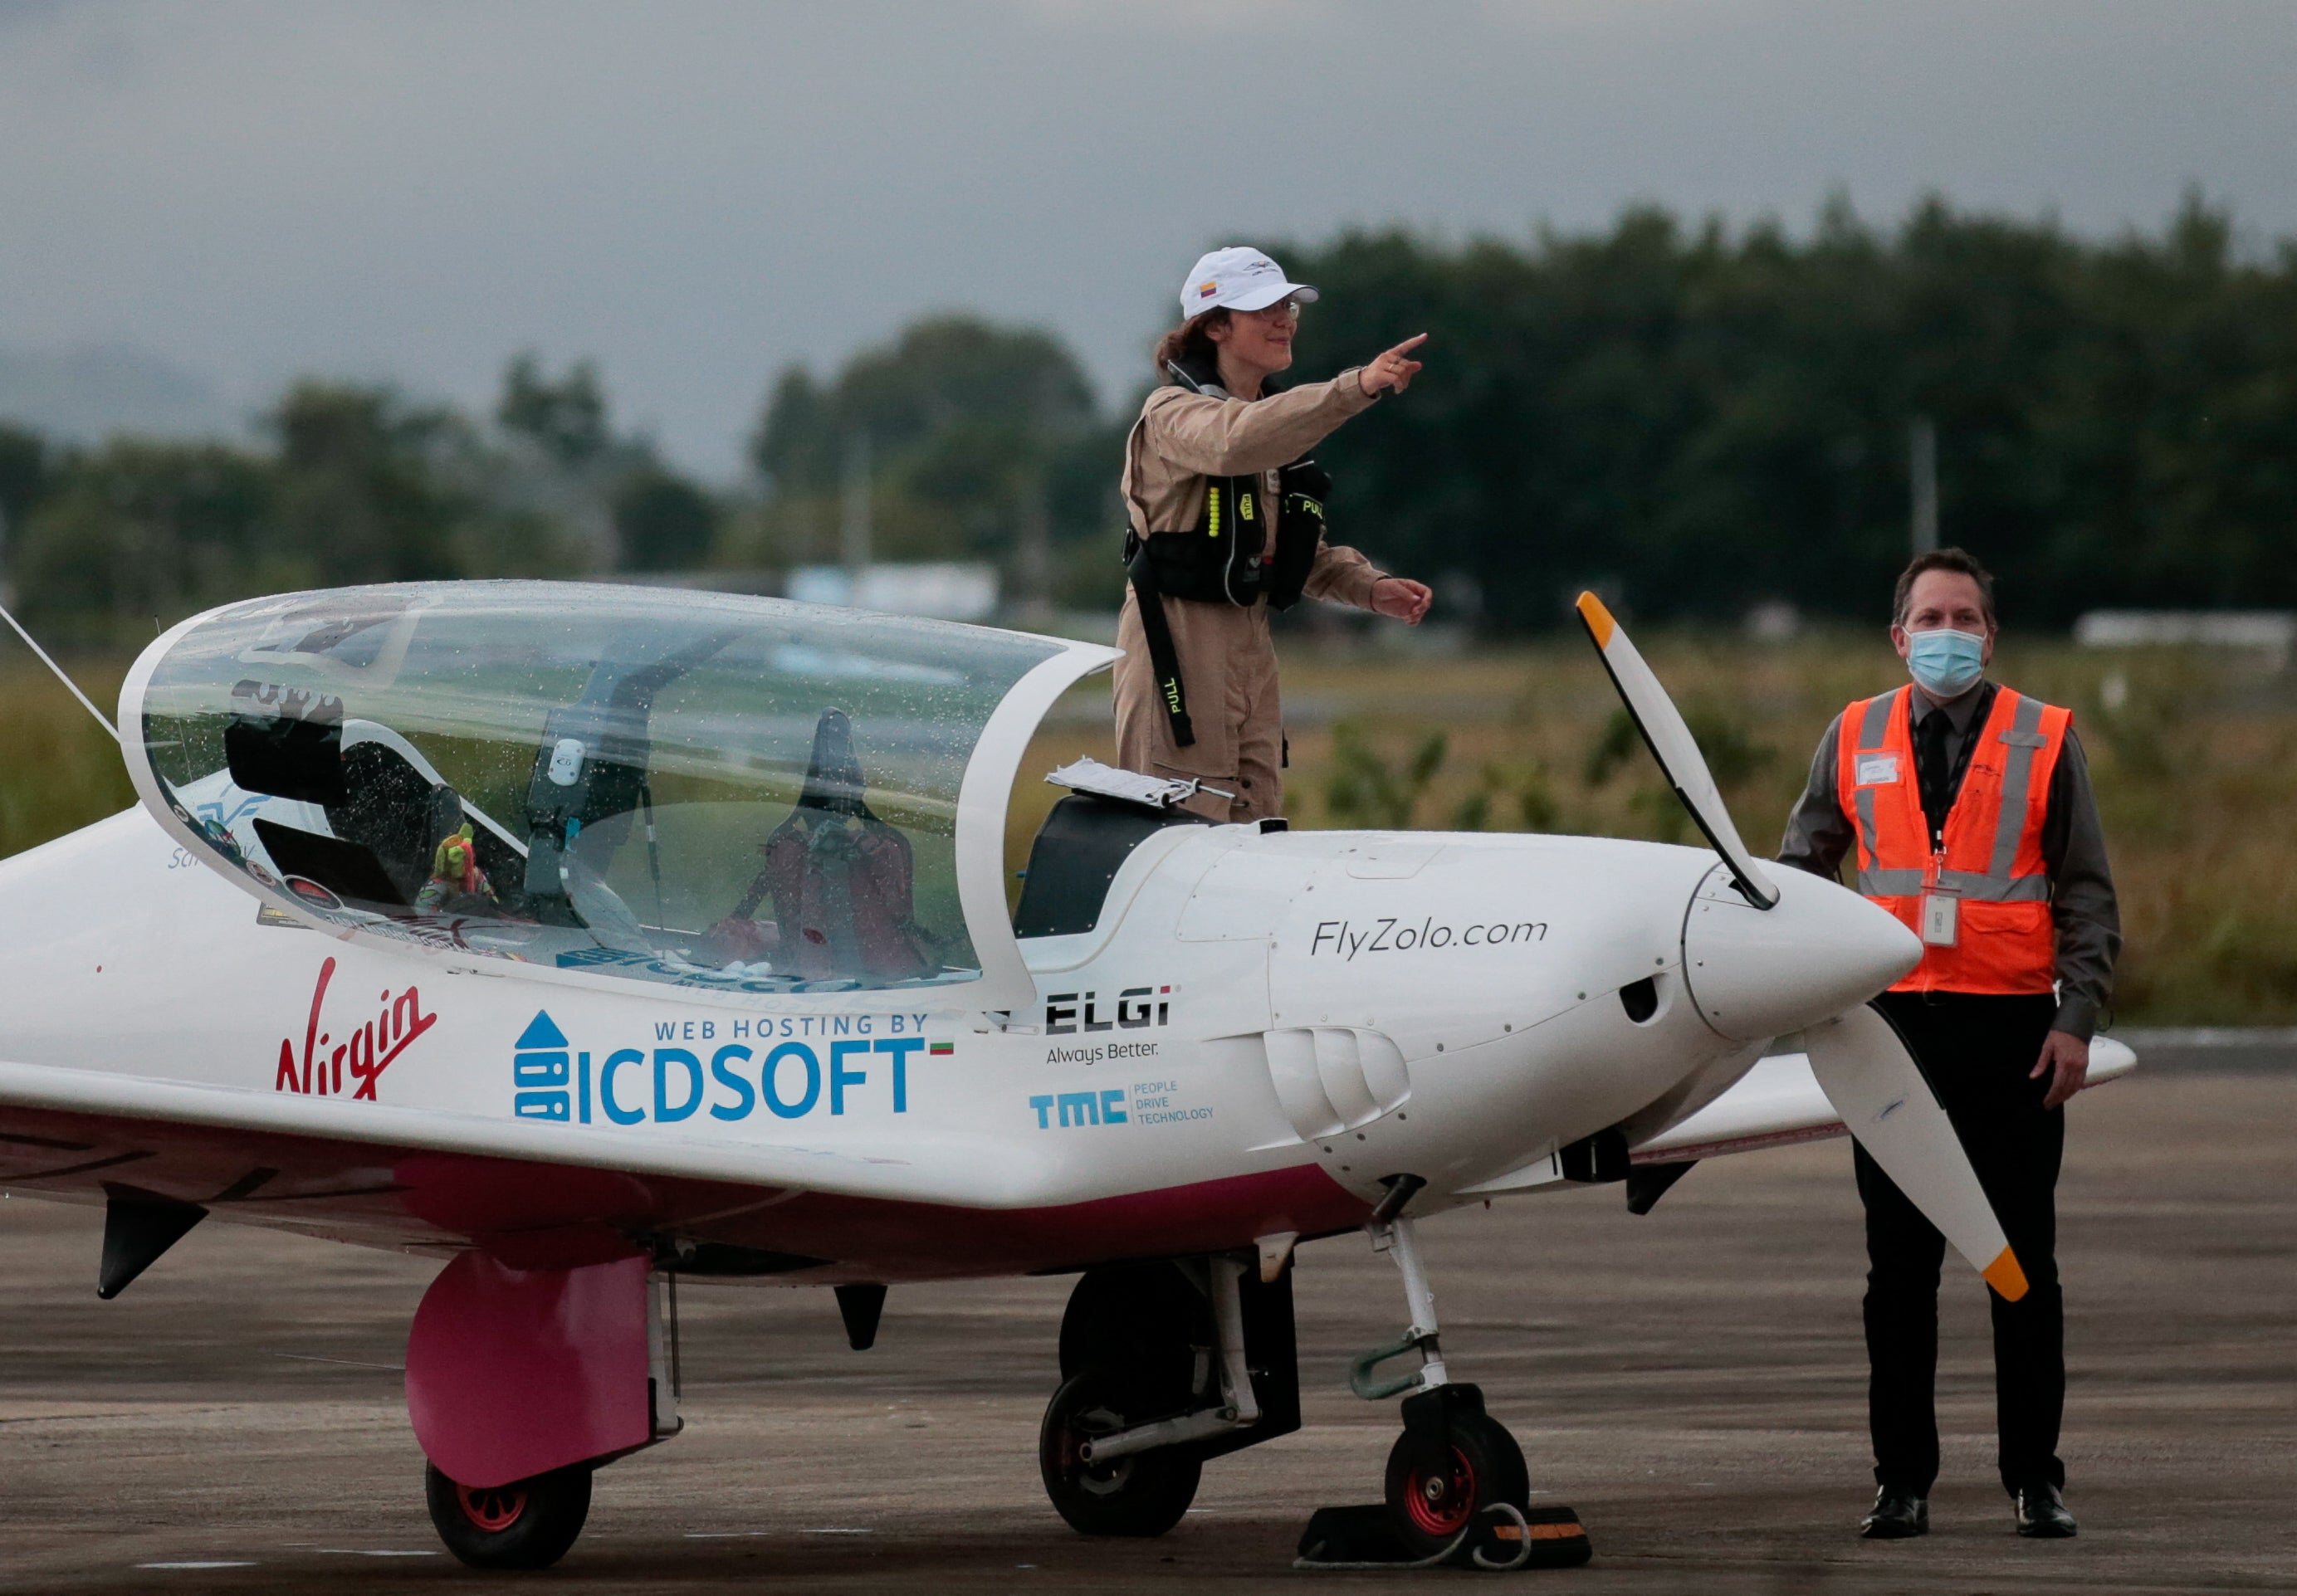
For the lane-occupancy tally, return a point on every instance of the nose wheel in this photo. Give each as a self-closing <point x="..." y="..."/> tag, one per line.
<point x="1452" y="1463"/>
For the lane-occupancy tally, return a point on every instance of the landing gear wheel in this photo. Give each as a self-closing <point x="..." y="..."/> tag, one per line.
<point x="1433" y="1496"/>
<point x="527" y="1524"/>
<point x="1142" y="1494"/>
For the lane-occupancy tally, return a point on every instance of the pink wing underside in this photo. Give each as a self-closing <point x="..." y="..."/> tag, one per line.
<point x="544" y="1215"/>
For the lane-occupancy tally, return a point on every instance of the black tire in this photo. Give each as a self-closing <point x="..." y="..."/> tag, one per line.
<point x="527" y="1524"/>
<point x="1143" y="1318"/>
<point x="1140" y="1495"/>
<point x="1430" y="1502"/>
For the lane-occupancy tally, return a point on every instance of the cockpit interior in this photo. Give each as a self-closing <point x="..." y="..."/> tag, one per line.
<point x="733" y="793"/>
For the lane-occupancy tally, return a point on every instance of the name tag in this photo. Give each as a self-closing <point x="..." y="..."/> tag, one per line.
<point x="1877" y="769"/>
<point x="1941" y="921"/>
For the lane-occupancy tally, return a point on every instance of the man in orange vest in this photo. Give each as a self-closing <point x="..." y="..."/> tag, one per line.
<point x="1966" y="811"/>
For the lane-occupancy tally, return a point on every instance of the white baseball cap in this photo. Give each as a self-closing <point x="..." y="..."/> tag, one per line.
<point x="1238" y="278"/>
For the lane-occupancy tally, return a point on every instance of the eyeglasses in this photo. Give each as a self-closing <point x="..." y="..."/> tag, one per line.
<point x="1282" y="310"/>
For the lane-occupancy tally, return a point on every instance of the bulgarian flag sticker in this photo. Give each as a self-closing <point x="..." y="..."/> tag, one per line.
<point x="942" y="1050"/>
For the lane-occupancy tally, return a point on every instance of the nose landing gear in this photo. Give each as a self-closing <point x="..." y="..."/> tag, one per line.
<point x="1457" y="1489"/>
<point x="1456" y="1470"/>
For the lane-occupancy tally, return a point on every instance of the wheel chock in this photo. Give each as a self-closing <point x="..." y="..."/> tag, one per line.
<point x="1507" y="1540"/>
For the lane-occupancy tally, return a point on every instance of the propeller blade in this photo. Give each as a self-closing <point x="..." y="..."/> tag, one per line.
<point x="1676" y="750"/>
<point x="1875" y="1084"/>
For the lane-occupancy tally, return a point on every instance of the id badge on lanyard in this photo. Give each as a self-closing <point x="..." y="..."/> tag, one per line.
<point x="1941" y="907"/>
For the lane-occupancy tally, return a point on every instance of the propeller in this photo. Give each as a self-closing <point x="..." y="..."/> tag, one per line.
<point x="1859" y="1060"/>
<point x="1863" y="1067"/>
<point x="1676" y="750"/>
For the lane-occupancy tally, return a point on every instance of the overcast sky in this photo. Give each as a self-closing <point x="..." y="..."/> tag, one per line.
<point x="695" y="194"/>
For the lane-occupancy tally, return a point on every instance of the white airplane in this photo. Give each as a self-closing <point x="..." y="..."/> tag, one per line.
<point x="591" y="938"/>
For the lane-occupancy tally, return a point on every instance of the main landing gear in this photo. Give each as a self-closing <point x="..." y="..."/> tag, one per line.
<point x="1164" y="1365"/>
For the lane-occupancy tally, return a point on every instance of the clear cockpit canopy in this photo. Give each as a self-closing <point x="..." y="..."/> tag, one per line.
<point x="738" y="795"/>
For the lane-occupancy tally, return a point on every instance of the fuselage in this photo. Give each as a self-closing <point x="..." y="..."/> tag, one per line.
<point x="1258" y="1028"/>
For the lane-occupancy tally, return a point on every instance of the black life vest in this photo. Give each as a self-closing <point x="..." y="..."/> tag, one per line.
<point x="1227" y="557"/>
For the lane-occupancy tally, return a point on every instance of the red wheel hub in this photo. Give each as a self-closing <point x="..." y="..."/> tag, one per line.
<point x="1441" y="1503"/>
<point x="493" y="1507"/>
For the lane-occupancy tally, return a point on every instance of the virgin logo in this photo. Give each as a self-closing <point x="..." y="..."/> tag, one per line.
<point x="362" y="1054"/>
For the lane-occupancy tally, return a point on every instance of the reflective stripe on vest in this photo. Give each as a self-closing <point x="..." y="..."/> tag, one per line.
<point x="1992" y="842"/>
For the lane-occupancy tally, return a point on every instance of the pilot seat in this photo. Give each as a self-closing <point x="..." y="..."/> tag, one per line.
<point x="840" y="880"/>
<point x="395" y="812"/>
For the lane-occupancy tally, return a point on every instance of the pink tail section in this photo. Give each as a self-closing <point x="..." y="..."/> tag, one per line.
<point x="513" y="1372"/>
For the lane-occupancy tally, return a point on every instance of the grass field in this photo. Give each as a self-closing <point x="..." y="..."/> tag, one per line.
<point x="2195" y="756"/>
<point x="2195" y="767"/>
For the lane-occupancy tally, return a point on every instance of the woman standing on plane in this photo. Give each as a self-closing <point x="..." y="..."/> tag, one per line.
<point x="1227" y="514"/>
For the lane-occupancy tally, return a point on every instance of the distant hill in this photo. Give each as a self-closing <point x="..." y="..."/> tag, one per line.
<point x="88" y="394"/>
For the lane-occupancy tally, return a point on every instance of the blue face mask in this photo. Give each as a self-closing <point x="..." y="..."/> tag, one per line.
<point x="1946" y="664"/>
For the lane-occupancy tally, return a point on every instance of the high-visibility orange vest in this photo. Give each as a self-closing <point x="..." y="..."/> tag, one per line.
<point x="1991" y="860"/>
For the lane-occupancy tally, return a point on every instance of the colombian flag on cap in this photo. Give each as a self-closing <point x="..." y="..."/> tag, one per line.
<point x="1205" y="291"/>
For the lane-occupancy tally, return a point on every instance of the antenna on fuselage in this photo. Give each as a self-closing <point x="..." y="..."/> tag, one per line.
<point x="69" y="686"/>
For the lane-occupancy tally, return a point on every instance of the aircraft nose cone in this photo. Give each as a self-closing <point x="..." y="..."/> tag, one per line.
<point x="1755" y="973"/>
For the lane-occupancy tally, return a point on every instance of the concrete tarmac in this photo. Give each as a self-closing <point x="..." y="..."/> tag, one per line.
<point x="1693" y="1382"/>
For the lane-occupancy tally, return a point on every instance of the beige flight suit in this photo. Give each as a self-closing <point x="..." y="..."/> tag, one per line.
<point x="1228" y="661"/>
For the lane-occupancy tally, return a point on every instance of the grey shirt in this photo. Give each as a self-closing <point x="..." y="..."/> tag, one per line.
<point x="1819" y="835"/>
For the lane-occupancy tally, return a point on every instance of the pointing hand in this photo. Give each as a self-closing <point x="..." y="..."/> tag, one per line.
<point x="1393" y="369"/>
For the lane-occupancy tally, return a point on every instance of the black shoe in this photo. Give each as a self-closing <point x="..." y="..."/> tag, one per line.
<point x="2042" y="1514"/>
<point x="1897" y="1515"/>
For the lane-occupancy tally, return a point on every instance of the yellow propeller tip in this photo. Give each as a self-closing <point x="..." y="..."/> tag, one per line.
<point x="2005" y="1277"/>
<point x="1598" y="619"/>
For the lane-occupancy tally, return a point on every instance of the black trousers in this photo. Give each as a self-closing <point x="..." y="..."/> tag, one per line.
<point x="1977" y="1051"/>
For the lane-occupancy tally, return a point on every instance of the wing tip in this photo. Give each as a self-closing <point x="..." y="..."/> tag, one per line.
<point x="1599" y="624"/>
<point x="2006" y="1275"/>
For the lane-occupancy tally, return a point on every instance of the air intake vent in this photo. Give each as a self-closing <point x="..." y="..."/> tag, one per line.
<point x="1330" y="1079"/>
<point x="1639" y="999"/>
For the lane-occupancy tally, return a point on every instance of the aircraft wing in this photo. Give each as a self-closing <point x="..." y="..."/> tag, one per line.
<point x="1779" y="1102"/>
<point x="394" y="1176"/>
<point x="544" y="1196"/>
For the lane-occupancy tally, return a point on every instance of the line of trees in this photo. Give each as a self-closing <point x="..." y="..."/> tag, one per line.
<point x="975" y="441"/>
<point x="1695" y="418"/>
<point x="1704" y="420"/>
<point x="351" y="484"/>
